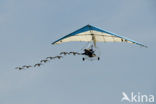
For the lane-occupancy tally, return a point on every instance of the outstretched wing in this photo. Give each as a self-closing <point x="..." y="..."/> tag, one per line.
<point x="87" y="33"/>
<point x="82" y="34"/>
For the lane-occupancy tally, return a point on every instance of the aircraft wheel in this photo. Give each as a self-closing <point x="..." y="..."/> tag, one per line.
<point x="98" y="58"/>
<point x="83" y="58"/>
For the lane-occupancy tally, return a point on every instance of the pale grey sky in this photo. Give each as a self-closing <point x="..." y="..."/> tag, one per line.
<point x="27" y="28"/>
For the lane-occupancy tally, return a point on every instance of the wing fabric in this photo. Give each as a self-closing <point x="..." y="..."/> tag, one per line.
<point x="110" y="37"/>
<point x="85" y="35"/>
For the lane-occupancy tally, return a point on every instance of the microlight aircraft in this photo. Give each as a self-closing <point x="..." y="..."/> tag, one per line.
<point x="93" y="35"/>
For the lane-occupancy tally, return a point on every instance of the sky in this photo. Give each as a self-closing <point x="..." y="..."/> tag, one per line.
<point x="28" y="27"/>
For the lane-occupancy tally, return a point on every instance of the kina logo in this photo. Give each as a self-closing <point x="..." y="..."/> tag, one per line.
<point x="137" y="98"/>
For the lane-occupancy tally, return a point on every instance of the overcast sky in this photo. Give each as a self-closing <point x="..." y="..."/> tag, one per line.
<point x="28" y="27"/>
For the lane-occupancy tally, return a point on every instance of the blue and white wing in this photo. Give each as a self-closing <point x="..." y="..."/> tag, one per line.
<point x="87" y="33"/>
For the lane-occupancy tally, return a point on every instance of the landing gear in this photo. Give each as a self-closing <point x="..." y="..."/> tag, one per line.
<point x="83" y="58"/>
<point x="98" y="58"/>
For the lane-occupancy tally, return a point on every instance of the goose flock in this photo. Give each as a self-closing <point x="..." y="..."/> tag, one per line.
<point x="47" y="59"/>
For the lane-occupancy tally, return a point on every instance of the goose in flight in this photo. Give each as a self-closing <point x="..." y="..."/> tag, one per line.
<point x="44" y="61"/>
<point x="39" y="64"/>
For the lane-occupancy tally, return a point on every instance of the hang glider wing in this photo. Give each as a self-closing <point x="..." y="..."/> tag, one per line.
<point x="86" y="34"/>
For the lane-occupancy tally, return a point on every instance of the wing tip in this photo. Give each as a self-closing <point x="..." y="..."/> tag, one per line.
<point x="142" y="45"/>
<point x="145" y="46"/>
<point x="53" y="43"/>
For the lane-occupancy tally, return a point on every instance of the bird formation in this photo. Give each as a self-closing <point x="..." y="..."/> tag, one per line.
<point x="47" y="59"/>
<point x="70" y="53"/>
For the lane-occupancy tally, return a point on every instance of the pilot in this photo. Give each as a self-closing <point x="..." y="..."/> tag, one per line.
<point x="89" y="52"/>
